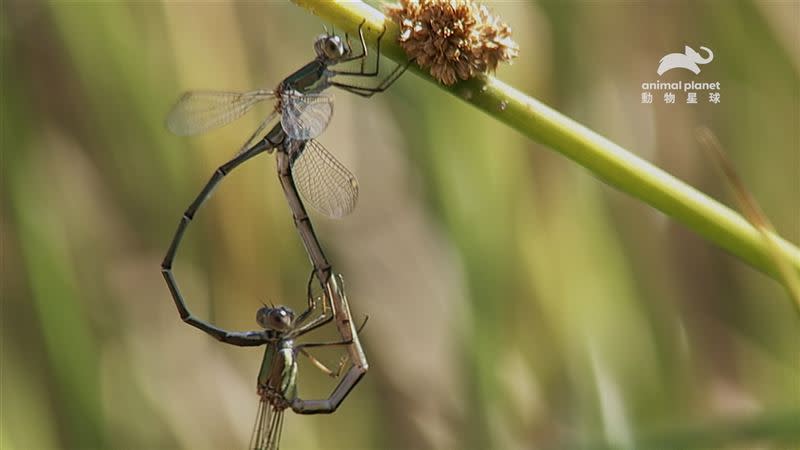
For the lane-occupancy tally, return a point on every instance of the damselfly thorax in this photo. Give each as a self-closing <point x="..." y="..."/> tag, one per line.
<point x="278" y="375"/>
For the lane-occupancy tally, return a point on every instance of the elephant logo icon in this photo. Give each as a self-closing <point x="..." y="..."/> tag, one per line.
<point x="688" y="60"/>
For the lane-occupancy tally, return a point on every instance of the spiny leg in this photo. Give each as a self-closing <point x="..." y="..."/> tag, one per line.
<point x="363" y="42"/>
<point x="319" y="365"/>
<point x="328" y="344"/>
<point x="312" y="301"/>
<point x="359" y="366"/>
<point x="302" y="347"/>
<point x="319" y="321"/>
<point x="326" y="316"/>
<point x="323" y="344"/>
<point x="363" y="324"/>
<point x="322" y="320"/>
<point x="250" y="338"/>
<point x="345" y="386"/>
<point x="364" y="54"/>
<point x="370" y="91"/>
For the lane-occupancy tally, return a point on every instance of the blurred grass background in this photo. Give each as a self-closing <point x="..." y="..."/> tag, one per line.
<point x="514" y="300"/>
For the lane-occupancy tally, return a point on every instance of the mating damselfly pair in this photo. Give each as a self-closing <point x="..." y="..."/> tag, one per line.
<point x="306" y="169"/>
<point x="305" y="112"/>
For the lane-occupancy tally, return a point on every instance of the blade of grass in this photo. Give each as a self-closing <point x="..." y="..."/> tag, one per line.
<point x="606" y="160"/>
<point x="752" y="211"/>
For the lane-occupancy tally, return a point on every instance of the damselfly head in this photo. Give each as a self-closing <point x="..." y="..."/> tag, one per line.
<point x="330" y="47"/>
<point x="278" y="318"/>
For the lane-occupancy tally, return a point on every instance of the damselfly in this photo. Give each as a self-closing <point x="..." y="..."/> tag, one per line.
<point x="304" y="114"/>
<point x="277" y="387"/>
<point x="277" y="378"/>
<point x="278" y="375"/>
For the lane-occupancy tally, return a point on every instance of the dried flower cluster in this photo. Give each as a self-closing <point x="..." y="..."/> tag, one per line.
<point x="454" y="38"/>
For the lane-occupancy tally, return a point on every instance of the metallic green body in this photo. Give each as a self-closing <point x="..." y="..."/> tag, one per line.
<point x="277" y="379"/>
<point x="309" y="78"/>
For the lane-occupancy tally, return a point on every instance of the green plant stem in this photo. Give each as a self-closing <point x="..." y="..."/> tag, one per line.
<point x="608" y="161"/>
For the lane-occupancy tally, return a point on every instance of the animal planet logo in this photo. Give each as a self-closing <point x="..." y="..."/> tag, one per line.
<point x="692" y="90"/>
<point x="689" y="60"/>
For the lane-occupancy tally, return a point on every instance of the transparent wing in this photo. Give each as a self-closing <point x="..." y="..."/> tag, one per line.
<point x="268" y="427"/>
<point x="199" y="111"/>
<point x="305" y="116"/>
<point x="256" y="136"/>
<point x="324" y="182"/>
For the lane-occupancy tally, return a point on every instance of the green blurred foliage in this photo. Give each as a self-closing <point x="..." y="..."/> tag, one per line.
<point x="515" y="301"/>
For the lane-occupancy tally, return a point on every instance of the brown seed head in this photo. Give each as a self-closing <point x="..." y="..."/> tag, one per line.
<point x="454" y="39"/>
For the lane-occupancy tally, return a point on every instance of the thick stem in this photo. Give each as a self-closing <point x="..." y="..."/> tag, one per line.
<point x="608" y="161"/>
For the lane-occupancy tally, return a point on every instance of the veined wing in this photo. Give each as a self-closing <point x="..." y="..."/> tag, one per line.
<point x="324" y="182"/>
<point x="199" y="111"/>
<point x="268" y="427"/>
<point x="305" y="116"/>
<point x="256" y="136"/>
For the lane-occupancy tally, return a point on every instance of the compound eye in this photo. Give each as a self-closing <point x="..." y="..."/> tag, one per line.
<point x="263" y="317"/>
<point x="275" y="319"/>
<point x="332" y="47"/>
<point x="281" y="318"/>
